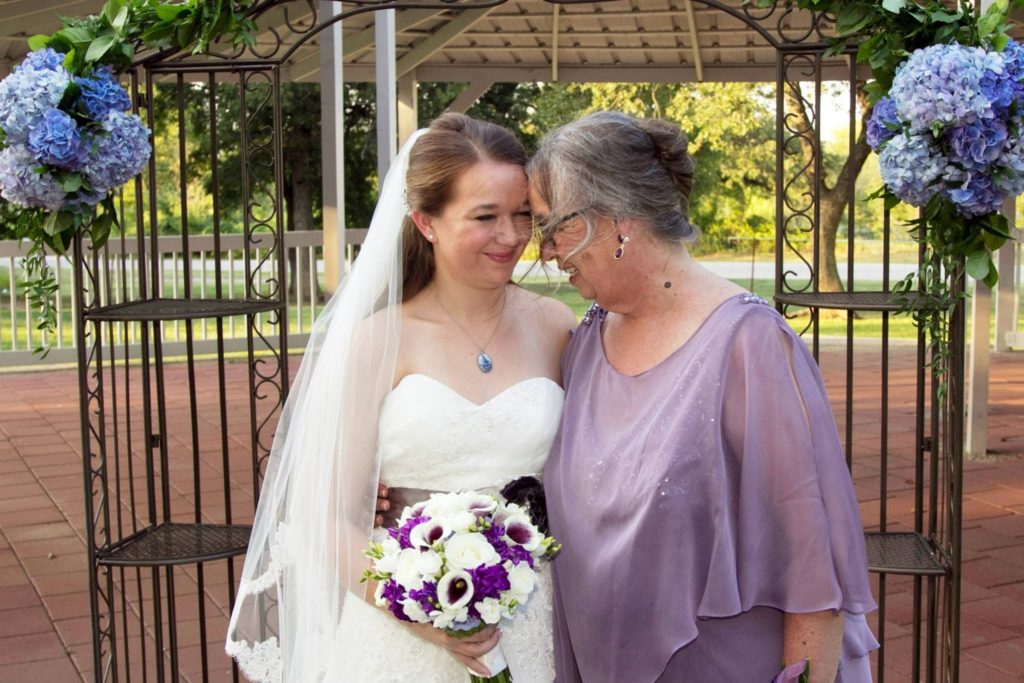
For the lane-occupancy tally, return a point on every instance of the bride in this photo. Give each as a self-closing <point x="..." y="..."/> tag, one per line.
<point x="427" y="371"/>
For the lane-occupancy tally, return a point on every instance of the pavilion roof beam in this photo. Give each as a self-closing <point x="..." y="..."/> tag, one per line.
<point x="692" y="23"/>
<point x="470" y="95"/>
<point x="424" y="49"/>
<point x="357" y="41"/>
<point x="554" y="42"/>
<point x="31" y="16"/>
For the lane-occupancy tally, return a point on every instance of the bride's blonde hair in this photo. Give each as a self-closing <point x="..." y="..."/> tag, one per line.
<point x="452" y="143"/>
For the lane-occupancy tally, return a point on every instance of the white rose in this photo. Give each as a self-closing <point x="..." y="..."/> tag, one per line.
<point x="429" y="563"/>
<point x="467" y="551"/>
<point x="521" y="580"/>
<point x="490" y="610"/>
<point x="407" y="572"/>
<point x="461" y="521"/>
<point x="442" y="506"/>
<point x="455" y="590"/>
<point x="414" y="611"/>
<point x="389" y="562"/>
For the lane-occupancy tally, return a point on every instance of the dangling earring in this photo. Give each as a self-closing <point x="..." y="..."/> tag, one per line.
<point x="623" y="241"/>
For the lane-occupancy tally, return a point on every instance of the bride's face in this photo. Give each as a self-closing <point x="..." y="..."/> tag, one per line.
<point x="482" y="231"/>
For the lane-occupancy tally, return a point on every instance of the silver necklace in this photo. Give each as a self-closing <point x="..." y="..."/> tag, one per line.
<point x="483" y="359"/>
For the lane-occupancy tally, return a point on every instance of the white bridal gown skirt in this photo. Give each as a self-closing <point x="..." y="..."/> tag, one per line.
<point x="374" y="647"/>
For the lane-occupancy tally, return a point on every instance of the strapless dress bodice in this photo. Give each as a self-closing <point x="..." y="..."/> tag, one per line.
<point x="432" y="437"/>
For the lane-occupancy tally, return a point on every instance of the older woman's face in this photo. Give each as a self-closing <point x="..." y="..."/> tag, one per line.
<point x="592" y="271"/>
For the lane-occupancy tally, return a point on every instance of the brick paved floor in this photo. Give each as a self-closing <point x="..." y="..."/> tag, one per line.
<point x="44" y="606"/>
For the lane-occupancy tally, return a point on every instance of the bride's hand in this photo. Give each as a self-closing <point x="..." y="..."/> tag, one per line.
<point x="467" y="649"/>
<point x="383" y="504"/>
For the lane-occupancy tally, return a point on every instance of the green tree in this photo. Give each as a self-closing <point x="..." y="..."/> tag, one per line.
<point x="732" y="195"/>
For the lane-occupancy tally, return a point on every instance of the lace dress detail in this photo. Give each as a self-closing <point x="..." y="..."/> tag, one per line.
<point x="433" y="438"/>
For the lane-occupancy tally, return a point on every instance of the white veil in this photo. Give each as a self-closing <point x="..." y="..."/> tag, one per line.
<point x="316" y="509"/>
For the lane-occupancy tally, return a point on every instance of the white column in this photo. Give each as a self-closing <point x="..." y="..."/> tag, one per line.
<point x="1007" y="294"/>
<point x="332" y="112"/>
<point x="976" y="419"/>
<point x="387" y="96"/>
<point x="407" y="108"/>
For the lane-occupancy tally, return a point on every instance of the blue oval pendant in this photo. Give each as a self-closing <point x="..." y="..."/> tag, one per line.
<point x="483" y="361"/>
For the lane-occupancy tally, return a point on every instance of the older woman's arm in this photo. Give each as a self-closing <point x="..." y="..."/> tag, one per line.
<point x="815" y="636"/>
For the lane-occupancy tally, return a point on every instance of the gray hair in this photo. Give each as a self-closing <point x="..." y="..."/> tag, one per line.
<point x="610" y="164"/>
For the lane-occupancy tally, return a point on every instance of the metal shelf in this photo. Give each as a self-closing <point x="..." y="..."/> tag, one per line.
<point x="182" y="309"/>
<point x="902" y="553"/>
<point x="854" y="301"/>
<point x="173" y="543"/>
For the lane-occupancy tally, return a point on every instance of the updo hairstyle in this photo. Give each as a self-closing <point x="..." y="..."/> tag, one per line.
<point x="610" y="164"/>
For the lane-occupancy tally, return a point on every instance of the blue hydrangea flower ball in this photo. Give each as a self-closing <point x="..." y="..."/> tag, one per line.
<point x="883" y="117"/>
<point x="55" y="140"/>
<point x="120" y="154"/>
<point x="941" y="85"/>
<point x="101" y="94"/>
<point x="20" y="184"/>
<point x="25" y="95"/>
<point x="912" y="168"/>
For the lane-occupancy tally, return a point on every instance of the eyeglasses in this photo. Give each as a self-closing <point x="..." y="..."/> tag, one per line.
<point x="548" y="229"/>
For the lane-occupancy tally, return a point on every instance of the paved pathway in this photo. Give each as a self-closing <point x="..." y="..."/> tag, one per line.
<point x="44" y="607"/>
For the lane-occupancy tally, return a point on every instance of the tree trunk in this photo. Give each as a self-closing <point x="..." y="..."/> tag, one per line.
<point x="299" y="198"/>
<point x="832" y="201"/>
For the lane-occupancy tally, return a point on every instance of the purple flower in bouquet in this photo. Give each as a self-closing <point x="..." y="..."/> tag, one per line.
<point x="489" y="581"/>
<point x="120" y="154"/>
<point x="941" y="85"/>
<point x="401" y="534"/>
<point x="975" y="146"/>
<point x="426" y="596"/>
<point x="28" y="92"/>
<point x="911" y="167"/>
<point x="55" y="140"/>
<point x="977" y="195"/>
<point x="101" y="94"/>
<point x="393" y="594"/>
<point x="513" y="553"/>
<point x="21" y="184"/>
<point x="883" y="123"/>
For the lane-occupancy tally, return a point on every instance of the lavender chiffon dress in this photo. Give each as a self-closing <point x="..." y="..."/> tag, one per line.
<point x="697" y="502"/>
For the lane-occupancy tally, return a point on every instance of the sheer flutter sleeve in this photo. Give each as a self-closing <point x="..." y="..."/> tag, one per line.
<point x="791" y="536"/>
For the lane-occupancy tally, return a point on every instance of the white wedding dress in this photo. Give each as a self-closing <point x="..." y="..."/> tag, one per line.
<point x="431" y="437"/>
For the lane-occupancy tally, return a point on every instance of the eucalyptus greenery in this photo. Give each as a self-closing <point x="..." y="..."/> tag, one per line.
<point x="885" y="34"/>
<point x="112" y="38"/>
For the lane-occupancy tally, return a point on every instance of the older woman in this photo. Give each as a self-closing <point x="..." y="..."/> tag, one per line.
<point x="698" y="485"/>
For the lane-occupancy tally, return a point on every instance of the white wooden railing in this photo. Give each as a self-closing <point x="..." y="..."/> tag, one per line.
<point x="119" y="264"/>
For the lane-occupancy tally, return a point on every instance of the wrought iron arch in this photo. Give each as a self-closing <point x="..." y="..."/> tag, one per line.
<point x="149" y="530"/>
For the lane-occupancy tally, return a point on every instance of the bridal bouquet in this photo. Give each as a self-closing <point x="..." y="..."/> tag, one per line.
<point x="460" y="562"/>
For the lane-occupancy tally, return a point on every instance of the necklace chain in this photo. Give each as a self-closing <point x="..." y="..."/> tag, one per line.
<point x="451" y="317"/>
